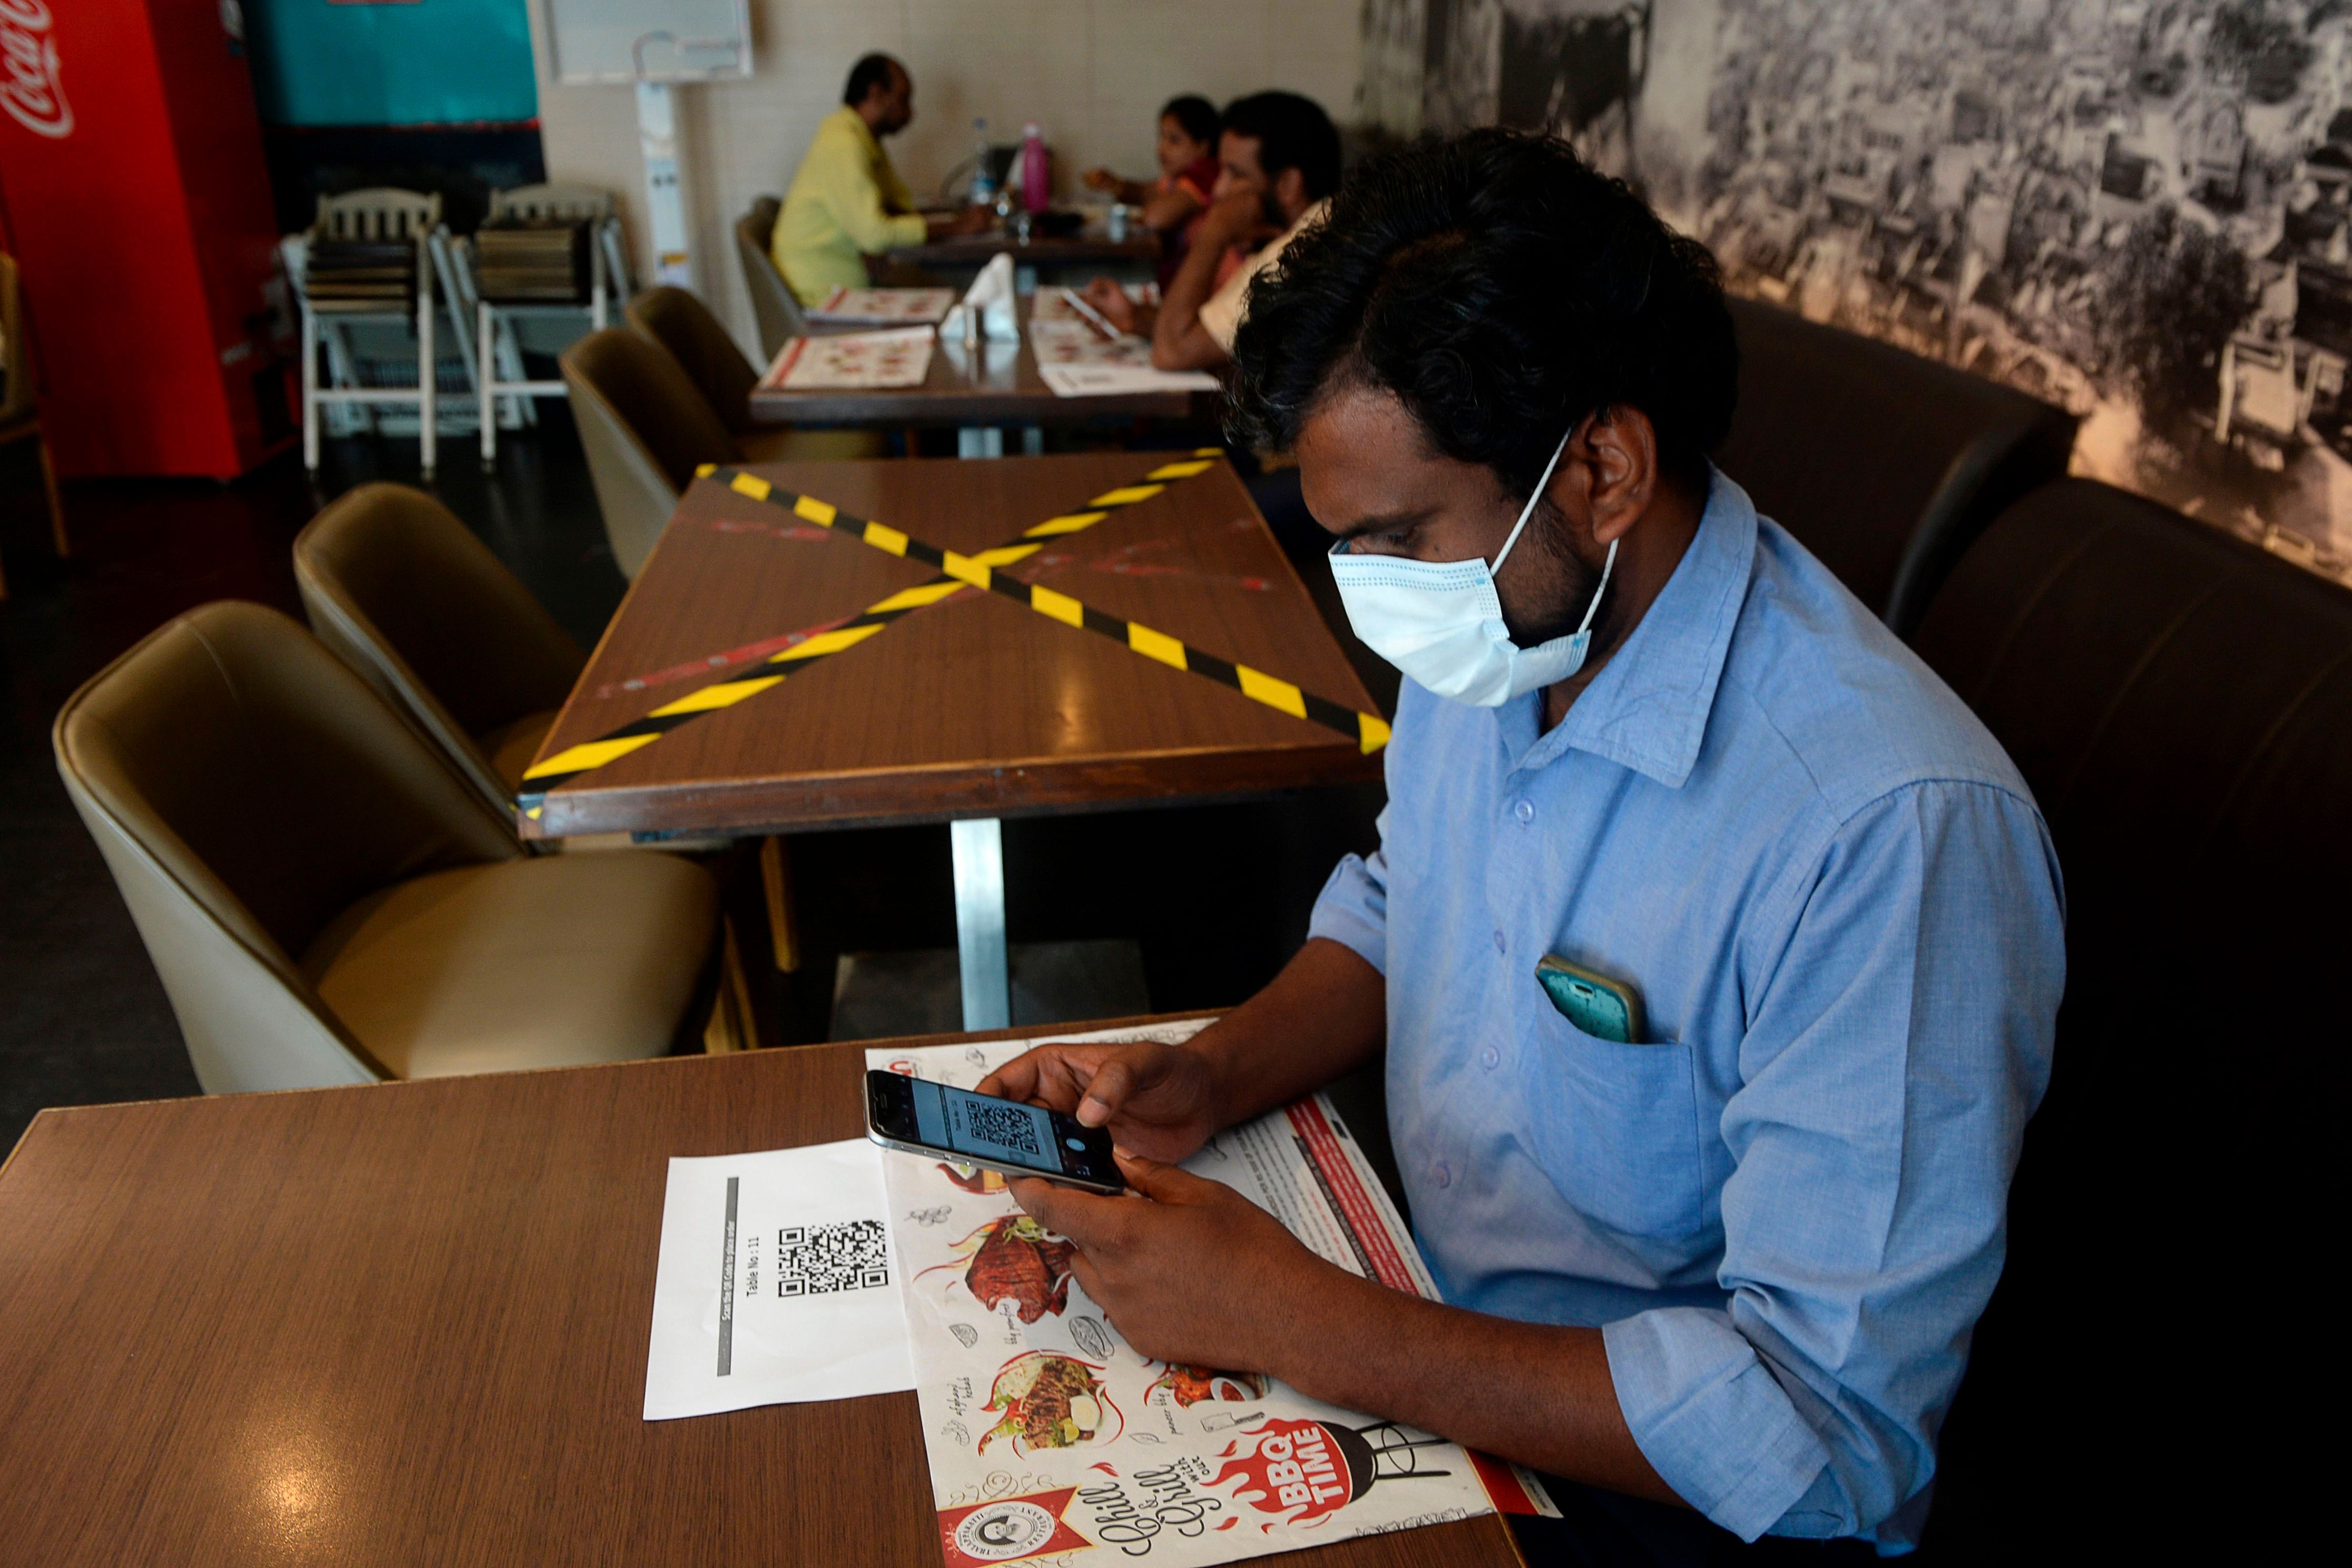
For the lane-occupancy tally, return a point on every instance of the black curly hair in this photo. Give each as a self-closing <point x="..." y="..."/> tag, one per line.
<point x="1503" y="290"/>
<point x="1197" y="116"/>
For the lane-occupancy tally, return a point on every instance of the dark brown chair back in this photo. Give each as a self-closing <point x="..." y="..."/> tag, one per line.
<point x="1883" y="464"/>
<point x="2181" y="704"/>
<point x="405" y="594"/>
<point x="645" y="428"/>
<point x="684" y="326"/>
<point x="774" y="305"/>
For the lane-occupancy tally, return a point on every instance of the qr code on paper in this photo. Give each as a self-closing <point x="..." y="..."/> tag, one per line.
<point x="1006" y="1126"/>
<point x="817" y="1259"/>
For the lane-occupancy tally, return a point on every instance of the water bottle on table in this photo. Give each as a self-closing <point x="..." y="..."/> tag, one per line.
<point x="983" y="183"/>
<point x="1036" y="173"/>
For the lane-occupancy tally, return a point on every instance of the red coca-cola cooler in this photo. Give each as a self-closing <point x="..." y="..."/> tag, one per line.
<point x="138" y="206"/>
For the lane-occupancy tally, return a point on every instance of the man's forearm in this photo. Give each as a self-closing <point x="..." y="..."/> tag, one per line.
<point x="1326" y="1013"/>
<point x="1529" y="1391"/>
<point x="1176" y="332"/>
<point x="1167" y="209"/>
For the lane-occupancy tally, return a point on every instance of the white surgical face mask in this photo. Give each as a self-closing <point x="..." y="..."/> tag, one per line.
<point x="1441" y="622"/>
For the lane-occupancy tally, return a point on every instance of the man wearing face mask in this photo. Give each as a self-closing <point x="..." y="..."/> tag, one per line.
<point x="1713" y="1261"/>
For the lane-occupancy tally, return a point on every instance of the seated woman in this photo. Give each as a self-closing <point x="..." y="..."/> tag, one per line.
<point x="1173" y="204"/>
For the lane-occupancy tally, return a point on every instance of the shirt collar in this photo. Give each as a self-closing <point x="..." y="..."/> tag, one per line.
<point x="1647" y="708"/>
<point x="857" y="122"/>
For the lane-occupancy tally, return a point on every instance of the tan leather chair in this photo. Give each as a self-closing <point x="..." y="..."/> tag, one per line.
<point x="774" y="304"/>
<point x="684" y="325"/>
<point x="328" y="903"/>
<point x="405" y="594"/>
<point x="20" y="406"/>
<point x="646" y="427"/>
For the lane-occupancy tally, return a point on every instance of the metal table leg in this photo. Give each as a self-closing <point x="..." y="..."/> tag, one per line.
<point x="979" y="441"/>
<point x="978" y="849"/>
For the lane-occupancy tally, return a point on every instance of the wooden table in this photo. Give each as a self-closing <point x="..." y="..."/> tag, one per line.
<point x="970" y="387"/>
<point x="408" y="1323"/>
<point x="981" y="705"/>
<point x="974" y="251"/>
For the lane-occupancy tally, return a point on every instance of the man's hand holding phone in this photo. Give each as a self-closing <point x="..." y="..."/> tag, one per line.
<point x="1149" y="1265"/>
<point x="1195" y="1271"/>
<point x="1327" y="1012"/>
<point x="1159" y="1101"/>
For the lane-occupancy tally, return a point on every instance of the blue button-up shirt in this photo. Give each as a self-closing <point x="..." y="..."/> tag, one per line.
<point x="1785" y="1206"/>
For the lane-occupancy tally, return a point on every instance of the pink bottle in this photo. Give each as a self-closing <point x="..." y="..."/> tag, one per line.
<point x="1037" y="173"/>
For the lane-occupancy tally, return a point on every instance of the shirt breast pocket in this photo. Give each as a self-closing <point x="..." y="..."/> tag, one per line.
<point x="1616" y="1128"/>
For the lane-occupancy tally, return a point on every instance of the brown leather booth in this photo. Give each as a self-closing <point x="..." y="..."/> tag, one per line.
<point x="1883" y="464"/>
<point x="2181" y="704"/>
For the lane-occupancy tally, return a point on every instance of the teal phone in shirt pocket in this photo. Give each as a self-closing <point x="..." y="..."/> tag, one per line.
<point x="1604" y="1008"/>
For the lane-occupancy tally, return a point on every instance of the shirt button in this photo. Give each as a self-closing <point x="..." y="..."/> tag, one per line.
<point x="1500" y="945"/>
<point x="1525" y="811"/>
<point x="1444" y="1175"/>
<point x="1489" y="1057"/>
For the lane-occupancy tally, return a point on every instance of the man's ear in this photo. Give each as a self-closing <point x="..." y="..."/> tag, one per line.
<point x="1616" y="448"/>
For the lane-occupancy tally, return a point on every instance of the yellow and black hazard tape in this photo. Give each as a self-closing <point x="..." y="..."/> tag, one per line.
<point x="1369" y="731"/>
<point x="589" y="755"/>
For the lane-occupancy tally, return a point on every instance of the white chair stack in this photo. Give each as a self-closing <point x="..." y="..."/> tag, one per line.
<point x="498" y="371"/>
<point x="376" y="222"/>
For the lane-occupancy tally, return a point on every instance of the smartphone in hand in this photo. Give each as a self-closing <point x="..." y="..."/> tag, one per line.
<point x="918" y="1117"/>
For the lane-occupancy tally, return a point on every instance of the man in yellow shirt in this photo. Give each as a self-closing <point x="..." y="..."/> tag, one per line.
<point x="847" y="201"/>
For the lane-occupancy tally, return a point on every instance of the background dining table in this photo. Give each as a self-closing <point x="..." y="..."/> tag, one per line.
<point x="972" y="386"/>
<point x="1114" y="629"/>
<point x="1044" y="257"/>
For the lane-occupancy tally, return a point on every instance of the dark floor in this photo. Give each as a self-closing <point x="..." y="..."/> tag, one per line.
<point x="1216" y="897"/>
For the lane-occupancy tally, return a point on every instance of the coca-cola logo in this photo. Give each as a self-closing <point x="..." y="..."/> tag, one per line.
<point x="30" y="88"/>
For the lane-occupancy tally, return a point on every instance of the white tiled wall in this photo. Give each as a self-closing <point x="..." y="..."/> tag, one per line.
<point x="1091" y="72"/>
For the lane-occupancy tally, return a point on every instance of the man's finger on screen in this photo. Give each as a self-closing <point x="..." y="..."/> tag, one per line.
<point x="1113" y="1083"/>
<point x="1016" y="1080"/>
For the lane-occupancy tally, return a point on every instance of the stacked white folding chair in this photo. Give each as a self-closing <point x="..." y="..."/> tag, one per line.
<point x="380" y="214"/>
<point x="493" y="332"/>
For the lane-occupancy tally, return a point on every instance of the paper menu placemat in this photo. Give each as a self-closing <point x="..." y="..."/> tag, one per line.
<point x="898" y="357"/>
<point x="1053" y="305"/>
<point x="1069" y="342"/>
<point x="1096" y="380"/>
<point x="1048" y="1435"/>
<point x="883" y="306"/>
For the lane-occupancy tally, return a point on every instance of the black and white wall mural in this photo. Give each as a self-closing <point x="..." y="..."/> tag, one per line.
<point x="2141" y="209"/>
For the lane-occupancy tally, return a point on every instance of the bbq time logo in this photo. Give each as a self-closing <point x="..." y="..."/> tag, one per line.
<point x="1302" y="1472"/>
<point x="30" y="88"/>
<point x="1297" y="1469"/>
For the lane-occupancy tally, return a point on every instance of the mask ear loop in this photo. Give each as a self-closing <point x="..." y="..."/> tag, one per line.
<point x="1534" y="496"/>
<point x="1594" y="608"/>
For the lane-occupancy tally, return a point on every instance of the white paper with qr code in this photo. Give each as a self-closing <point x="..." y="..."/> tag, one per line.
<point x="1050" y="1437"/>
<point x="776" y="1283"/>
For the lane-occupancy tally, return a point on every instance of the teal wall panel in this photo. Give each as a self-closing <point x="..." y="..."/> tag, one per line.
<point x="423" y="62"/>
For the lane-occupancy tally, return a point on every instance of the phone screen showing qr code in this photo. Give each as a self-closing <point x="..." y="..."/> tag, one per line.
<point x="819" y="1259"/>
<point x="1011" y="1128"/>
<point x="999" y="1130"/>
